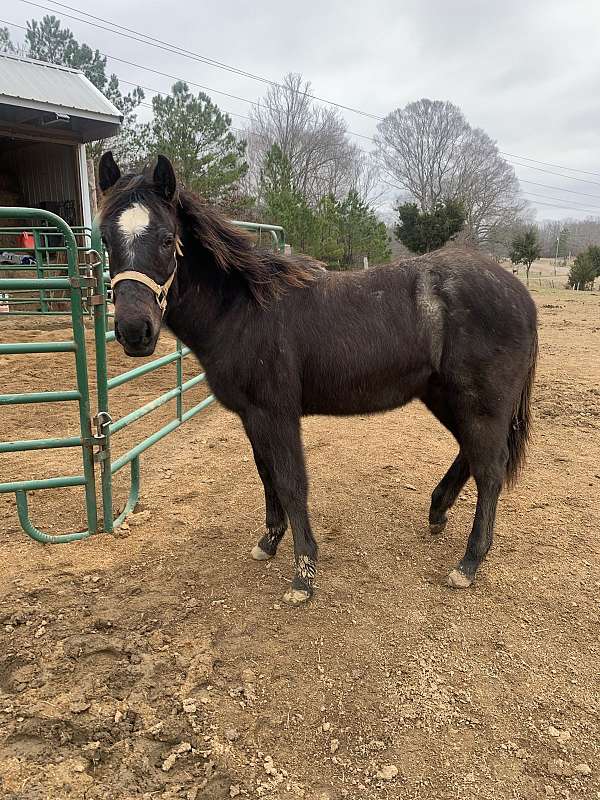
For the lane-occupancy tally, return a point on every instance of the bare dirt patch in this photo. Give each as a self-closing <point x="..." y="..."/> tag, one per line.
<point x="163" y="663"/>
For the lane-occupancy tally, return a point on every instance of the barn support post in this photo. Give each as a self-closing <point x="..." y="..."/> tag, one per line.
<point x="84" y="184"/>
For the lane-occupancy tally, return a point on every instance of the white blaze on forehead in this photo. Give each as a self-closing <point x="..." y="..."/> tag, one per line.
<point x="134" y="221"/>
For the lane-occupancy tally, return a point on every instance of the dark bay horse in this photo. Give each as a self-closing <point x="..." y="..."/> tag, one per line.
<point x="280" y="338"/>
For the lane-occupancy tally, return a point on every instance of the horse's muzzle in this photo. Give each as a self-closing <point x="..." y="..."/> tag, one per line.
<point x="137" y="337"/>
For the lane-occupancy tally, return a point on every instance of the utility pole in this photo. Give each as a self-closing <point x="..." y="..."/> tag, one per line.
<point x="556" y="254"/>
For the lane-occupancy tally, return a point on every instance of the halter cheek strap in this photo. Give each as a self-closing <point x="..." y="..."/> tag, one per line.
<point x="160" y="292"/>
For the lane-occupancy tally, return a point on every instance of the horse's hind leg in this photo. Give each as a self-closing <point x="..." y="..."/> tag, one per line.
<point x="276" y="521"/>
<point x="487" y="451"/>
<point x="445" y="493"/>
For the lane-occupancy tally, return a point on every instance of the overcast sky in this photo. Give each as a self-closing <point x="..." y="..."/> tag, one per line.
<point x="527" y="71"/>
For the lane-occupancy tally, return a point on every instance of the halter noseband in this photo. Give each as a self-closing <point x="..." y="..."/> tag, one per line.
<point x="160" y="292"/>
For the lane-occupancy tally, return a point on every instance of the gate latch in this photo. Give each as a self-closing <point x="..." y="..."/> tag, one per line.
<point x="102" y="420"/>
<point x="83" y="282"/>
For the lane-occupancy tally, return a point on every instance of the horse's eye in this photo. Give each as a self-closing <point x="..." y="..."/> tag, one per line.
<point x="168" y="241"/>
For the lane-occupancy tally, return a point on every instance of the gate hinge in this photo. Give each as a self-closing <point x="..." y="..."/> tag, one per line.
<point x="97" y="300"/>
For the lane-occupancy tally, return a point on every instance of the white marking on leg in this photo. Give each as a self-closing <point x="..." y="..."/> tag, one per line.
<point x="306" y="569"/>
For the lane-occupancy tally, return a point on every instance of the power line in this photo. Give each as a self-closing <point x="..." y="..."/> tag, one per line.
<point x="558" y="199"/>
<point x="143" y="38"/>
<point x="594" y="210"/>
<point x="559" y="189"/>
<point x="261" y="105"/>
<point x="559" y="174"/>
<point x="549" y="164"/>
<point x="170" y="48"/>
<point x="537" y="202"/>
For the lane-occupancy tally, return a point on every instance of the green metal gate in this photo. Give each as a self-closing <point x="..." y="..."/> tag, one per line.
<point x="85" y="283"/>
<point x="76" y="283"/>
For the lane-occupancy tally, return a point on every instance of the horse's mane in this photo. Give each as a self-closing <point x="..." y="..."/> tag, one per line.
<point x="266" y="274"/>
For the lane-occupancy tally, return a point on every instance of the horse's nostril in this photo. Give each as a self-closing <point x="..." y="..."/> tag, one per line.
<point x="133" y="333"/>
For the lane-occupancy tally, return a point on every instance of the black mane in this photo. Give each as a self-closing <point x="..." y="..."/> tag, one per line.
<point x="266" y="274"/>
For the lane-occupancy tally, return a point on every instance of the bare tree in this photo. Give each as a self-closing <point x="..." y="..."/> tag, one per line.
<point x="429" y="150"/>
<point x="487" y="186"/>
<point x="572" y="236"/>
<point x="419" y="148"/>
<point x="365" y="178"/>
<point x="312" y="138"/>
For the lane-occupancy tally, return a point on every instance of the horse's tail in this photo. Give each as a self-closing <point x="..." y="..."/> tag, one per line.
<point x="520" y="426"/>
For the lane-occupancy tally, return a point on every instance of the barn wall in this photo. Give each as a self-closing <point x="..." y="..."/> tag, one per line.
<point x="43" y="172"/>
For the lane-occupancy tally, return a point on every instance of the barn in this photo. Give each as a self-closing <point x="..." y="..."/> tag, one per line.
<point x="48" y="113"/>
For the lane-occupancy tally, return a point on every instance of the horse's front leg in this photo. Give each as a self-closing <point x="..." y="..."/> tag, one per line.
<point x="276" y="440"/>
<point x="276" y="520"/>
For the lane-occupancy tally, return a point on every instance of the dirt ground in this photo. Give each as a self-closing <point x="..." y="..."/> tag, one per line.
<point x="162" y="663"/>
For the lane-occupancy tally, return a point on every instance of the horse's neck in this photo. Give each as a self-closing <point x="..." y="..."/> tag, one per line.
<point x="205" y="300"/>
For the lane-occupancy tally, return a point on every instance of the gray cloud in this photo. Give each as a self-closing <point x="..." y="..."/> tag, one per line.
<point x="526" y="71"/>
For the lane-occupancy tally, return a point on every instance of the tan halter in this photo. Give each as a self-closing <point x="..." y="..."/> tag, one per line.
<point x="160" y="292"/>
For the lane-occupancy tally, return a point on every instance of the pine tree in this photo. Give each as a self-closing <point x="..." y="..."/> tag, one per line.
<point x="196" y="135"/>
<point x="525" y="249"/>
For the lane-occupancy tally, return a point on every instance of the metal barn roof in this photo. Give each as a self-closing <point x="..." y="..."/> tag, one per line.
<point x="66" y="100"/>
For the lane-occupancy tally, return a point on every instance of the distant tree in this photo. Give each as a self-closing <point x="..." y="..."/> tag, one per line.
<point x="360" y="233"/>
<point x="582" y="272"/>
<point x="429" y="150"/>
<point x="593" y="252"/>
<point x="585" y="268"/>
<point x="423" y="231"/>
<point x="285" y="204"/>
<point x="312" y="138"/>
<point x="525" y="249"/>
<point x="6" y="43"/>
<point x="339" y="232"/>
<point x="196" y="135"/>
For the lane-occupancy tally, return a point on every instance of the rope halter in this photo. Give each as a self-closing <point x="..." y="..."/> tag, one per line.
<point x="160" y="292"/>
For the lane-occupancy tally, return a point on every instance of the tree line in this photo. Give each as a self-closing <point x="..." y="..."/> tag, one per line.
<point x="296" y="164"/>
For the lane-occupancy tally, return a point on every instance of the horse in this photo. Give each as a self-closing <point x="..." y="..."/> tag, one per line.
<point x="280" y="338"/>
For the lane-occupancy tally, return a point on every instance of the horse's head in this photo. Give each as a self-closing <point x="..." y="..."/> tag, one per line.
<point x="139" y="230"/>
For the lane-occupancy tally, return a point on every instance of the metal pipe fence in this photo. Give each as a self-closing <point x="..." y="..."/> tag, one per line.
<point x="85" y="286"/>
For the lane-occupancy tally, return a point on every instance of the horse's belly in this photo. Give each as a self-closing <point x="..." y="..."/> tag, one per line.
<point x="361" y="396"/>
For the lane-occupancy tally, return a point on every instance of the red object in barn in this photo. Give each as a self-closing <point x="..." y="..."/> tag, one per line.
<point x="27" y="240"/>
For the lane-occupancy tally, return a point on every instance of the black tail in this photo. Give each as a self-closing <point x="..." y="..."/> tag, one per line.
<point x="520" y="427"/>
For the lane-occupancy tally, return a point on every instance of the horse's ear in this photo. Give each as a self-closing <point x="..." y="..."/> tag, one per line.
<point x="164" y="178"/>
<point x="108" y="172"/>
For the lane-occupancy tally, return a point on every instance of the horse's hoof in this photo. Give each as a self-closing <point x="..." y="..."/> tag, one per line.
<point x="258" y="554"/>
<point x="295" y="597"/>
<point x="437" y="527"/>
<point x="458" y="580"/>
